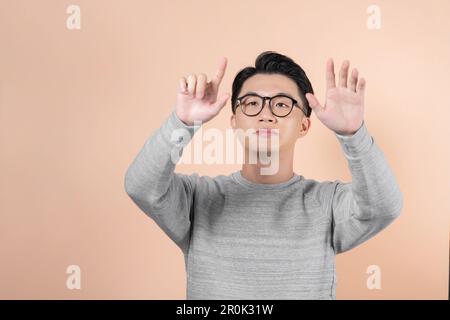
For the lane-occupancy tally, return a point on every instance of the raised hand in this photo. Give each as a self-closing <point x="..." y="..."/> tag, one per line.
<point x="343" y="111"/>
<point x="197" y="98"/>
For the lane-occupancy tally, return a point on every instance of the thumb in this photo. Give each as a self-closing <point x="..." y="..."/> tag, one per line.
<point x="313" y="102"/>
<point x="220" y="103"/>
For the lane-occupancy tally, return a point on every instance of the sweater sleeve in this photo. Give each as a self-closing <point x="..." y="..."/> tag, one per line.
<point x="152" y="184"/>
<point x="362" y="208"/>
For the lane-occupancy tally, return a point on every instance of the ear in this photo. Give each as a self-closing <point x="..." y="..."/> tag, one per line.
<point x="305" y="125"/>
<point x="233" y="121"/>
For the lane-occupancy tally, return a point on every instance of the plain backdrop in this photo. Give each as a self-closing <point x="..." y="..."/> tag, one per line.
<point x="76" y="106"/>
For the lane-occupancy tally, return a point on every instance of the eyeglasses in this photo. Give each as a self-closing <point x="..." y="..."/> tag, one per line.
<point x="280" y="105"/>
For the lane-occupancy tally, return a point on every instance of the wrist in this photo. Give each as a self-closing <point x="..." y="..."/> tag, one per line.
<point x="357" y="144"/>
<point x="187" y="123"/>
<point x="182" y="120"/>
<point x="350" y="133"/>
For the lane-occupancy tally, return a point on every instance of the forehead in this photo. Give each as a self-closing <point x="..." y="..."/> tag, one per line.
<point x="270" y="84"/>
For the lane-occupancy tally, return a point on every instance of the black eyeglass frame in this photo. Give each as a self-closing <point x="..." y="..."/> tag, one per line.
<point x="294" y="104"/>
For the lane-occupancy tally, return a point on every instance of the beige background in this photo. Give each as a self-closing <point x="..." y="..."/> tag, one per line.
<point x="77" y="105"/>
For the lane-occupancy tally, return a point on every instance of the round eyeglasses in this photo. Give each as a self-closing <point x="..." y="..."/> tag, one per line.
<point x="280" y="105"/>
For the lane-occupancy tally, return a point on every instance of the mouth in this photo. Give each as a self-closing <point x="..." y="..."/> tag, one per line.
<point x="266" y="132"/>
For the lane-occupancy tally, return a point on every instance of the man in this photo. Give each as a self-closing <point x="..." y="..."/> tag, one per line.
<point x="251" y="235"/>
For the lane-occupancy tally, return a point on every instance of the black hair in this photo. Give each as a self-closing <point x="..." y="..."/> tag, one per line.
<point x="271" y="62"/>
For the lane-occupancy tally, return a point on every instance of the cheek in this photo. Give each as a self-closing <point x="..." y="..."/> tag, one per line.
<point x="245" y="123"/>
<point x="289" y="132"/>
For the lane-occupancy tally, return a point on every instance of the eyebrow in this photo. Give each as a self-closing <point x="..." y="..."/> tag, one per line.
<point x="284" y="93"/>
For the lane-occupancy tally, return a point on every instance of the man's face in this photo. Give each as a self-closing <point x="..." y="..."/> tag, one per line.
<point x="290" y="128"/>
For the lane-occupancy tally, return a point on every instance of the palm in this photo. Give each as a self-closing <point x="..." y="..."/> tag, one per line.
<point x="344" y="105"/>
<point x="197" y="99"/>
<point x="199" y="109"/>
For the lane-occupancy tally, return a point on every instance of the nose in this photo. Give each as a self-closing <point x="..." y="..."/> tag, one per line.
<point x="266" y="114"/>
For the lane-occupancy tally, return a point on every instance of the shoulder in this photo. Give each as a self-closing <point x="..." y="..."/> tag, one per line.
<point x="319" y="191"/>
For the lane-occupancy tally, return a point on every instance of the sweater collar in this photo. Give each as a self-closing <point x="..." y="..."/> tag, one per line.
<point x="237" y="176"/>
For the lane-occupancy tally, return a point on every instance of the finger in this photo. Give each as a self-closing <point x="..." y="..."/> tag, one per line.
<point x="353" y="79"/>
<point x="201" y="85"/>
<point x="361" y="86"/>
<point x="192" y="80"/>
<point x="343" y="74"/>
<point x="219" y="74"/>
<point x="183" y="85"/>
<point x="330" y="76"/>
<point x="220" y="103"/>
<point x="314" y="103"/>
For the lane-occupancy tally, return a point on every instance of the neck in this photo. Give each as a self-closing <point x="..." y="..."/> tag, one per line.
<point x="252" y="171"/>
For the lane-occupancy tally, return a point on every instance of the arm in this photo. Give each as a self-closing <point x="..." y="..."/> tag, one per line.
<point x="150" y="181"/>
<point x="372" y="200"/>
<point x="152" y="184"/>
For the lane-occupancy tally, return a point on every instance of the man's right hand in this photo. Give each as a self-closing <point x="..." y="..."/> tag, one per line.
<point x="197" y="98"/>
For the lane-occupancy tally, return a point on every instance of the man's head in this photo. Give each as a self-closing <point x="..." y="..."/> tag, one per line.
<point x="272" y="75"/>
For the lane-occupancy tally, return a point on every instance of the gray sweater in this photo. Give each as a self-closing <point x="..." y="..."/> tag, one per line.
<point x="244" y="240"/>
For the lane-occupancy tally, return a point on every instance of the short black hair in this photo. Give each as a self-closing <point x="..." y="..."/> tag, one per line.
<point x="271" y="62"/>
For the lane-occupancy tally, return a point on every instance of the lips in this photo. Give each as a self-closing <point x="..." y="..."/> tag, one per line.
<point x="266" y="132"/>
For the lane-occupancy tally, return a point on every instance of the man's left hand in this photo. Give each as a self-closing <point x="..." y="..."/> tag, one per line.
<point x="343" y="111"/>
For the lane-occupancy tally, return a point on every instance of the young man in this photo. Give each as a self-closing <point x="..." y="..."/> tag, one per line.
<point x="250" y="235"/>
